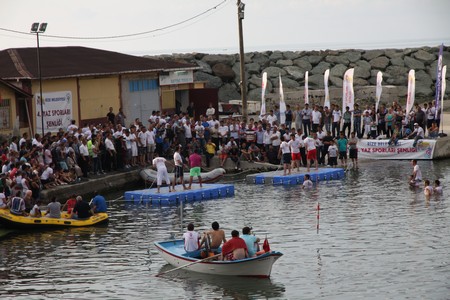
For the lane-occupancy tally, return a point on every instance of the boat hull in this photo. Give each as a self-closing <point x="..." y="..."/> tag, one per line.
<point x="149" y="175"/>
<point x="9" y="220"/>
<point x="260" y="266"/>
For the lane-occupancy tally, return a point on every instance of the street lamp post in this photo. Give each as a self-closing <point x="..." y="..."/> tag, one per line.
<point x="243" y="83"/>
<point x="39" y="28"/>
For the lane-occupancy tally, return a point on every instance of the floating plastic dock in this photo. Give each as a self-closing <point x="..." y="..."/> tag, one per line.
<point x="166" y="198"/>
<point x="277" y="178"/>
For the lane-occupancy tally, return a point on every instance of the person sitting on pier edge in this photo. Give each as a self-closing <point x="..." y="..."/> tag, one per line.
<point x="214" y="237"/>
<point x="251" y="241"/>
<point x="99" y="204"/>
<point x="235" y="248"/>
<point x="54" y="209"/>
<point x="191" y="239"/>
<point x="417" y="134"/>
<point x="82" y="210"/>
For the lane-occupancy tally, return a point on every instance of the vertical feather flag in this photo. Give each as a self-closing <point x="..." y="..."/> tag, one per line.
<point x="411" y="91"/>
<point x="438" y="81"/>
<point x="443" y="86"/>
<point x="378" y="91"/>
<point x="348" y="94"/>
<point x="327" y="92"/>
<point x="282" y="104"/>
<point x="263" y="96"/>
<point x="306" y="88"/>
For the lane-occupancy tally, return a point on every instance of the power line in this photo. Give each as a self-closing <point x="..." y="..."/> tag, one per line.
<point x="124" y="35"/>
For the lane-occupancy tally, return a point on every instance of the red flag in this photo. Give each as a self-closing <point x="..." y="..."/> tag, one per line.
<point x="266" y="245"/>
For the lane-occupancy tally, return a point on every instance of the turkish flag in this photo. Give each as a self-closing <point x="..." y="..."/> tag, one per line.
<point x="266" y="245"/>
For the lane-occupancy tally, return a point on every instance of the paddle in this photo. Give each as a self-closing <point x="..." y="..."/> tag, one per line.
<point x="189" y="264"/>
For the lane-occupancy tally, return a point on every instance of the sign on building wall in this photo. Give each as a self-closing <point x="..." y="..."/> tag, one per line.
<point x="176" y="77"/>
<point x="57" y="111"/>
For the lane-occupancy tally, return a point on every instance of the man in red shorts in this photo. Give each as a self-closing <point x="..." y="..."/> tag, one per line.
<point x="311" y="152"/>
<point x="295" y="152"/>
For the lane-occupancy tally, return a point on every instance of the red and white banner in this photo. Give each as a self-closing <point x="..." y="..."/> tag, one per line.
<point x="327" y="91"/>
<point x="348" y="94"/>
<point x="282" y="104"/>
<point x="57" y="111"/>
<point x="411" y="91"/>
<point x="443" y="87"/>
<point x="378" y="91"/>
<point x="306" y="88"/>
<point x="380" y="149"/>
<point x="263" y="96"/>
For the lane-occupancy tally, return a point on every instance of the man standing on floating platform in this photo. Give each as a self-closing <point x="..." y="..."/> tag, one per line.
<point x="195" y="161"/>
<point x="285" y="150"/>
<point x="178" y="171"/>
<point x="160" y="164"/>
<point x="311" y="152"/>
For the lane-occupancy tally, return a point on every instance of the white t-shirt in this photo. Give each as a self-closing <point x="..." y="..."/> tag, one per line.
<point x="310" y="143"/>
<point x="271" y="119"/>
<point x="177" y="159"/>
<point x="316" y="116"/>
<point x="418" y="173"/>
<point x="277" y="141"/>
<point x="200" y="131"/>
<point x="285" y="147"/>
<point x="223" y="130"/>
<point x="307" y="184"/>
<point x="191" y="240"/>
<point x="150" y="137"/>
<point x="159" y="162"/>
<point x="210" y="111"/>
<point x="266" y="138"/>
<point x="187" y="131"/>
<point x="295" y="146"/>
<point x="332" y="151"/>
<point x="47" y="173"/>
<point x="336" y="115"/>
<point x="142" y="138"/>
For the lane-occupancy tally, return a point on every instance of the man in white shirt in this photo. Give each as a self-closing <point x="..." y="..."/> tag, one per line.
<point x="211" y="111"/>
<point x="316" y="117"/>
<point x="84" y="157"/>
<point x="285" y="152"/>
<point x="310" y="144"/>
<point x="275" y="138"/>
<point x="417" y="134"/>
<point x="150" y="133"/>
<point x="160" y="164"/>
<point x="335" y="126"/>
<point x="294" y="143"/>
<point x="271" y="118"/>
<point x="110" y="158"/>
<point x="191" y="239"/>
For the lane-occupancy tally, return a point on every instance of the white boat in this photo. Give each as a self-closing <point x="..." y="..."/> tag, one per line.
<point x="149" y="175"/>
<point x="173" y="252"/>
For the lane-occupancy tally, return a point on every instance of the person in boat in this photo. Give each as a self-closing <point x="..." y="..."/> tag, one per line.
<point x="416" y="176"/>
<point x="36" y="211"/>
<point x="160" y="164"/>
<point x="3" y="203"/>
<point x="427" y="189"/>
<point x="235" y="248"/>
<point x="82" y="210"/>
<point x="191" y="239"/>
<point x="437" y="189"/>
<point x="195" y="161"/>
<point x="251" y="241"/>
<point x="98" y="203"/>
<point x="214" y="237"/>
<point x="54" y="209"/>
<point x="70" y="204"/>
<point x="178" y="171"/>
<point x="17" y="205"/>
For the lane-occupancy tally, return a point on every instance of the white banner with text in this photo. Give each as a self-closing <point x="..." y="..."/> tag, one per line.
<point x="380" y="149"/>
<point x="57" y="111"/>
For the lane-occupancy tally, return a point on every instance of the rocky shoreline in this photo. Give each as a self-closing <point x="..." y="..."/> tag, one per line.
<point x="222" y="71"/>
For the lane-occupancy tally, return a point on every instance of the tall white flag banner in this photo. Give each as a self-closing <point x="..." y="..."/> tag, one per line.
<point x="327" y="91"/>
<point x="378" y="91"/>
<point x="443" y="86"/>
<point x="438" y="82"/>
<point x="348" y="94"/>
<point x="306" y="88"/>
<point x="410" y="97"/>
<point x="263" y="96"/>
<point x="282" y="104"/>
<point x="57" y="111"/>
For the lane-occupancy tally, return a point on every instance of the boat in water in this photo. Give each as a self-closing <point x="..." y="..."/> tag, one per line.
<point x="260" y="266"/>
<point x="9" y="220"/>
<point x="149" y="176"/>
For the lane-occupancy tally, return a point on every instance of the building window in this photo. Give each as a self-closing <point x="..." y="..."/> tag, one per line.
<point x="143" y="85"/>
<point x="5" y="113"/>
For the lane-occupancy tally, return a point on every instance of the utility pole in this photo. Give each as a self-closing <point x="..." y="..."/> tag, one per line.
<point x="243" y="82"/>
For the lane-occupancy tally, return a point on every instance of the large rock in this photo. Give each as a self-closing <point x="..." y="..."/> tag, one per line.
<point x="204" y="66"/>
<point x="422" y="78"/>
<point x="337" y="60"/>
<point x="379" y="63"/>
<point x="303" y="64"/>
<point x="424" y="56"/>
<point x="360" y="82"/>
<point x="283" y="63"/>
<point x="320" y="68"/>
<point x="256" y="81"/>
<point x="261" y="59"/>
<point x="393" y="53"/>
<point x="295" y="72"/>
<point x="291" y="55"/>
<point x="229" y="91"/>
<point x="288" y="84"/>
<point x="396" y="75"/>
<point x="397" y="61"/>
<point x="211" y="81"/>
<point x="336" y="81"/>
<point x="253" y="68"/>
<point x="276" y="55"/>
<point x="316" y="81"/>
<point x="338" y="70"/>
<point x="371" y="54"/>
<point x="397" y="71"/>
<point x="314" y="59"/>
<point x="415" y="64"/>
<point x="362" y="69"/>
<point x="225" y="72"/>
<point x="273" y="72"/>
<point x="212" y="59"/>
<point x="352" y="56"/>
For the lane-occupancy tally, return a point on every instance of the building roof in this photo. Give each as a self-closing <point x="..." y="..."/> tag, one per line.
<point x="63" y="62"/>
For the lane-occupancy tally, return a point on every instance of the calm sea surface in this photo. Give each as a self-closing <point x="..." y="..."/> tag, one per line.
<point x="377" y="240"/>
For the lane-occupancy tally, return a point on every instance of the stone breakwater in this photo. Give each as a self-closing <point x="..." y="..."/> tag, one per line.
<point x="223" y="72"/>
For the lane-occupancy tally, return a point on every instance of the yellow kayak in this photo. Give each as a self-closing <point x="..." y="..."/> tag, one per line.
<point x="10" y="220"/>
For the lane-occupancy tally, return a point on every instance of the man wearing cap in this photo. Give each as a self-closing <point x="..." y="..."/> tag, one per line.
<point x="417" y="134"/>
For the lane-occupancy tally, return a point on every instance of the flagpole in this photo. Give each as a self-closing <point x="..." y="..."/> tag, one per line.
<point x="243" y="83"/>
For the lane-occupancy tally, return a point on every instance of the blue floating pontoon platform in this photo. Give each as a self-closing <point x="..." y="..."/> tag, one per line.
<point x="277" y="177"/>
<point x="166" y="198"/>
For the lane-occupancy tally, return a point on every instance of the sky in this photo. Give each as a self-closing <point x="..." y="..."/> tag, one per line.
<point x="196" y="26"/>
